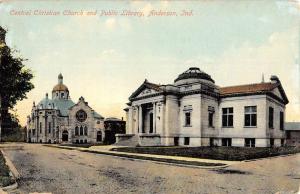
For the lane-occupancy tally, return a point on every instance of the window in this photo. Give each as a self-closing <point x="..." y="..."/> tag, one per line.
<point x="81" y="130"/>
<point x="288" y="135"/>
<point x="271" y="117"/>
<point x="33" y="131"/>
<point x="272" y="142"/>
<point x="227" y="117"/>
<point x="76" y="131"/>
<point x="85" y="130"/>
<point x="211" y="111"/>
<point x="40" y="127"/>
<point x="281" y="120"/>
<point x="250" y="116"/>
<point x="49" y="127"/>
<point x="186" y="141"/>
<point x="176" y="141"/>
<point x="187" y="119"/>
<point x="211" y="142"/>
<point x="282" y="142"/>
<point x="62" y="95"/>
<point x="249" y="142"/>
<point x="226" y="142"/>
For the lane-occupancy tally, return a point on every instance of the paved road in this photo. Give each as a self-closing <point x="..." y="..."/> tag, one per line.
<point x="45" y="169"/>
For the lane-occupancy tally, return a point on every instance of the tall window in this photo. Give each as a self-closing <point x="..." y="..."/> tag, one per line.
<point x="187" y="119"/>
<point x="85" y="130"/>
<point x="76" y="131"/>
<point x="281" y="120"/>
<point x="49" y="127"/>
<point x="81" y="130"/>
<point x="211" y="111"/>
<point x="271" y="117"/>
<point x="210" y="119"/>
<point x="227" y="117"/>
<point x="250" y="116"/>
<point x="249" y="142"/>
<point x="40" y="127"/>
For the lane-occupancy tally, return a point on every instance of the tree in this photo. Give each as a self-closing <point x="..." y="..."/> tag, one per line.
<point x="15" y="79"/>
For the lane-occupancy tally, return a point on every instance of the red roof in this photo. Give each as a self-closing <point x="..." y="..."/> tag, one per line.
<point x="250" y="88"/>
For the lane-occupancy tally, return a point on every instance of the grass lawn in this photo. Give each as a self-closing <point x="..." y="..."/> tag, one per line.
<point x="218" y="153"/>
<point x="5" y="178"/>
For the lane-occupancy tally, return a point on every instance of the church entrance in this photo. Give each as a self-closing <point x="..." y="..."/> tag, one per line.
<point x="65" y="135"/>
<point x="99" y="136"/>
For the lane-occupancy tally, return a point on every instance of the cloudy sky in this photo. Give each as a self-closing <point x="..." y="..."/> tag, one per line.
<point x="105" y="58"/>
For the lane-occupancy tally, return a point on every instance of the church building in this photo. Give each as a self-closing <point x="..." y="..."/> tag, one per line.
<point x="194" y="111"/>
<point x="60" y="120"/>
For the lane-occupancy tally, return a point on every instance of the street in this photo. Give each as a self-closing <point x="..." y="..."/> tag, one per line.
<point x="46" y="169"/>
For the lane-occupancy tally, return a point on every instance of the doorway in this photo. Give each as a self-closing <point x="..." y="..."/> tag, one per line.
<point x="65" y="135"/>
<point x="99" y="136"/>
<point x="151" y="123"/>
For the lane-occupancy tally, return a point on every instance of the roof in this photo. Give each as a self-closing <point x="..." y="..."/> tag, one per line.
<point x="112" y="119"/>
<point x="146" y="84"/>
<point x="60" y="87"/>
<point x="249" y="88"/>
<point x="97" y="115"/>
<point x="194" y="72"/>
<point x="62" y="105"/>
<point x="292" y="126"/>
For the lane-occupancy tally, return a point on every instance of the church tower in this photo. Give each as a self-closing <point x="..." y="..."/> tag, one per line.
<point x="60" y="91"/>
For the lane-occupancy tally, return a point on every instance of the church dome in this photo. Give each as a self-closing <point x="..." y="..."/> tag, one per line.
<point x="194" y="73"/>
<point x="60" y="86"/>
<point x="46" y="103"/>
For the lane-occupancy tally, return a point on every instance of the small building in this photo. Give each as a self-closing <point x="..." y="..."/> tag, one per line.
<point x="112" y="127"/>
<point x="60" y="120"/>
<point x="194" y="111"/>
<point x="292" y="133"/>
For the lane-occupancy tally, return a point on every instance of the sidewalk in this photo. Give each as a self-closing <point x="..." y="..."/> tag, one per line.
<point x="173" y="160"/>
<point x="14" y="173"/>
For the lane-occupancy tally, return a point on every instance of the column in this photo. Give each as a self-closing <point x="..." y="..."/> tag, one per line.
<point x="154" y="117"/>
<point x="140" y="119"/>
<point x="136" y="117"/>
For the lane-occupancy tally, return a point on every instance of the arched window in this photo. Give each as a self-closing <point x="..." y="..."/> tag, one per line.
<point x="76" y="130"/>
<point x="81" y="130"/>
<point x="85" y="130"/>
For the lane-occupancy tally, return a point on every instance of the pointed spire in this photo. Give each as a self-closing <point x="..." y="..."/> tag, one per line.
<point x="263" y="78"/>
<point x="60" y="78"/>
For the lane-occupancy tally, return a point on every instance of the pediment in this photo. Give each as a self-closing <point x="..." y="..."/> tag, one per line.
<point x="146" y="92"/>
<point x="146" y="89"/>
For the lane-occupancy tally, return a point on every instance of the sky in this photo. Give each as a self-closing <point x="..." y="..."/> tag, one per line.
<point x="105" y="58"/>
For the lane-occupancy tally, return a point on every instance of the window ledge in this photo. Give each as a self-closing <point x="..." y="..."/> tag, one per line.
<point x="227" y="127"/>
<point x="250" y="126"/>
<point x="187" y="126"/>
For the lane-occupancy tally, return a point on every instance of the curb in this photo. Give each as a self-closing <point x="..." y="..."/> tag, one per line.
<point x="182" y="163"/>
<point x="13" y="172"/>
